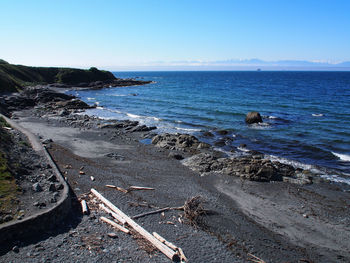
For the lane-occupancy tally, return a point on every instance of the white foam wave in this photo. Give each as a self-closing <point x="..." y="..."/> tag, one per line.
<point x="118" y="95"/>
<point x="243" y="149"/>
<point x="260" y="126"/>
<point x="179" y="121"/>
<point x="295" y="164"/>
<point x="155" y="118"/>
<point x="91" y="98"/>
<point x="273" y="117"/>
<point x="99" y="108"/>
<point x="97" y="102"/>
<point x="187" y="129"/>
<point x="343" y="157"/>
<point x="313" y="169"/>
<point x="133" y="115"/>
<point x="317" y="115"/>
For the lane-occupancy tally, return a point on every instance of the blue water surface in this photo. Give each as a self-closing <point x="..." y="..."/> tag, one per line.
<point x="306" y="114"/>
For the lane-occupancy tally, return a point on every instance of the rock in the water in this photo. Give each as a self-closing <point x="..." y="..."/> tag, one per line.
<point x="37" y="187"/>
<point x="253" y="117"/>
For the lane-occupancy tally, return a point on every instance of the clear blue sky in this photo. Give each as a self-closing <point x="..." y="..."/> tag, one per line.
<point x="115" y="33"/>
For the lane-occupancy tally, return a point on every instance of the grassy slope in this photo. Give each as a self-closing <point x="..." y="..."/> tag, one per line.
<point x="8" y="187"/>
<point x="13" y="77"/>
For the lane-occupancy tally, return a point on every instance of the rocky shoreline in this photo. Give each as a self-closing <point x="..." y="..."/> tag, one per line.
<point x="248" y="224"/>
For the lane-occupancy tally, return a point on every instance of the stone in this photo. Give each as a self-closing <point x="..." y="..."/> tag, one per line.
<point x="208" y="134"/>
<point x="176" y="156"/>
<point x="15" y="249"/>
<point x="37" y="187"/>
<point x="253" y="117"/>
<point x="47" y="141"/>
<point x="222" y="132"/>
<point x="52" y="188"/>
<point x="112" y="235"/>
<point x="52" y="178"/>
<point x="8" y="218"/>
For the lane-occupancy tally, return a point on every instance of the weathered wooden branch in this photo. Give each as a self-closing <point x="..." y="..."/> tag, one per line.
<point x="163" y="248"/>
<point x="116" y="216"/>
<point x="115" y="225"/>
<point x="171" y="245"/>
<point x="161" y="239"/>
<point x="150" y="213"/>
<point x="133" y="188"/>
<point x="117" y="188"/>
<point x="84" y="207"/>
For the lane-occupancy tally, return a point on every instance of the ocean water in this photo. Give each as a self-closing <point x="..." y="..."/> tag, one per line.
<point x="306" y="114"/>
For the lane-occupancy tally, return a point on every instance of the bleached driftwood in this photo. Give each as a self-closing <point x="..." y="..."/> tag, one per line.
<point x="162" y="247"/>
<point x="171" y="245"/>
<point x="84" y="207"/>
<point x="114" y="224"/>
<point x="117" y="188"/>
<point x="116" y="216"/>
<point x="161" y="239"/>
<point x="150" y="213"/>
<point x="132" y="188"/>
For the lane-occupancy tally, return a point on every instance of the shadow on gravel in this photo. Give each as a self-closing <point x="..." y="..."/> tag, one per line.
<point x="71" y="222"/>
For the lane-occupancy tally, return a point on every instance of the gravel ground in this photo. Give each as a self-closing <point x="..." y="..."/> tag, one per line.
<point x="263" y="219"/>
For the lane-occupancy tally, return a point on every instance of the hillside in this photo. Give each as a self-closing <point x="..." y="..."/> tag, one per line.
<point x="14" y="77"/>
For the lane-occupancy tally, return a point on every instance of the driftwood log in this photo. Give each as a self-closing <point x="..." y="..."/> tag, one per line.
<point x="84" y="207"/>
<point x="116" y="216"/>
<point x="162" y="247"/>
<point x="114" y="224"/>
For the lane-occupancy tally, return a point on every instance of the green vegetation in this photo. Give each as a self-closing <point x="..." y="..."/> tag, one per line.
<point x="8" y="187"/>
<point x="14" y="77"/>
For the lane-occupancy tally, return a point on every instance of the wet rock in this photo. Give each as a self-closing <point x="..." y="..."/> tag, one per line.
<point x="176" y="156"/>
<point x="222" y="132"/>
<point x="37" y="187"/>
<point x="208" y="134"/>
<point x="220" y="143"/>
<point x="142" y="128"/>
<point x="253" y="117"/>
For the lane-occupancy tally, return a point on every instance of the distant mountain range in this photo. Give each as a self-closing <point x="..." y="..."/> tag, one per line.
<point x="244" y="64"/>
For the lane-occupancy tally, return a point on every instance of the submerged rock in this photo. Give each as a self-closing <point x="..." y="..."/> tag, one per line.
<point x="253" y="117"/>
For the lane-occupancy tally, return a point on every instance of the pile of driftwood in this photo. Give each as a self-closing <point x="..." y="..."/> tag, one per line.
<point x="122" y="222"/>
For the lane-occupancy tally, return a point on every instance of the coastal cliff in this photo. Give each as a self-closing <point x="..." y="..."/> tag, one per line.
<point x="15" y="77"/>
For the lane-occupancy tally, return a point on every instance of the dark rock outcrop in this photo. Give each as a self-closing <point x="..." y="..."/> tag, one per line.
<point x="253" y="117"/>
<point x="178" y="142"/>
<point x="253" y="168"/>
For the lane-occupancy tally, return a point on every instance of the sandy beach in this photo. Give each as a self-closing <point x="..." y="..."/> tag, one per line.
<point x="275" y="221"/>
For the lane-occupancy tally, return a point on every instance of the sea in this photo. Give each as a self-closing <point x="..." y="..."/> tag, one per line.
<point x="306" y="115"/>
